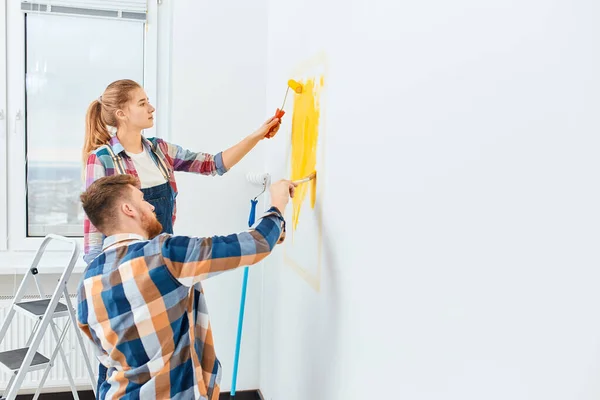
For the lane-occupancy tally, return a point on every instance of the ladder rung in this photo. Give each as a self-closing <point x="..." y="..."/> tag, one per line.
<point x="12" y="360"/>
<point x="37" y="308"/>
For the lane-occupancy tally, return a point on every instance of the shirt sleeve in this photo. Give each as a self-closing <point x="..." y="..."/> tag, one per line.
<point x="193" y="259"/>
<point x="197" y="162"/>
<point x="92" y="237"/>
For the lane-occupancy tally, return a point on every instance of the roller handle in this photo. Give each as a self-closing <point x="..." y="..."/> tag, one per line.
<point x="278" y="114"/>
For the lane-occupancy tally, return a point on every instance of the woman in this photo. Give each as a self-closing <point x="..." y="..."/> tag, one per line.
<point x="125" y="108"/>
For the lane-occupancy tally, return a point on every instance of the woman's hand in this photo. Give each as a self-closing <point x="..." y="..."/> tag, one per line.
<point x="268" y="129"/>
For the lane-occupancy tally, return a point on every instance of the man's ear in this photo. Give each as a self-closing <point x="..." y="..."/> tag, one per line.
<point x="128" y="210"/>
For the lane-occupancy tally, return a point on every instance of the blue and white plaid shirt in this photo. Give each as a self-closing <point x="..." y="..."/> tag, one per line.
<point x="153" y="332"/>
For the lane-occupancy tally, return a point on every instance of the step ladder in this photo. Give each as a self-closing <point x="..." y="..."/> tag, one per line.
<point x="19" y="362"/>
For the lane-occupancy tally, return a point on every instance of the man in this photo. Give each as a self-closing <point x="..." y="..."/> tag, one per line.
<point x="152" y="332"/>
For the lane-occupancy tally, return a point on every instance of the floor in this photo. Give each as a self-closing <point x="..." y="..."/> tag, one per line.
<point x="89" y="395"/>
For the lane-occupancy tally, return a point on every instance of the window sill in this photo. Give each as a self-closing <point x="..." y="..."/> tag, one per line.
<point x="52" y="262"/>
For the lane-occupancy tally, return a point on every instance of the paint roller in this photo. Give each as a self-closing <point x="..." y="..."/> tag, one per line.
<point x="296" y="87"/>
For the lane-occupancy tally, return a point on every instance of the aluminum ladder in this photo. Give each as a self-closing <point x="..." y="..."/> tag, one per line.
<point x="19" y="362"/>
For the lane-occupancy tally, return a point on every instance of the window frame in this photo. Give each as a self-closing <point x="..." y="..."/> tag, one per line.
<point x="15" y="187"/>
<point x="3" y="135"/>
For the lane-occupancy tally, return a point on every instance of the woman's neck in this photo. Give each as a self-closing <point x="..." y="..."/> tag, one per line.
<point x="131" y="140"/>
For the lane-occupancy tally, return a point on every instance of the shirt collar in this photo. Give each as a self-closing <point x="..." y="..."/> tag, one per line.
<point x="121" y="237"/>
<point x="117" y="147"/>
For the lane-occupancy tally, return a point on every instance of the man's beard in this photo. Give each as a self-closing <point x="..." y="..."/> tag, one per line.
<point x="151" y="225"/>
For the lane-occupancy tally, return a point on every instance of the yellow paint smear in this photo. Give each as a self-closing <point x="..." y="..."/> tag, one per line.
<point x="305" y="135"/>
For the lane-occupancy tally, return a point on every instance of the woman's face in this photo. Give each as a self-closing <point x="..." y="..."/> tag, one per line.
<point x="138" y="112"/>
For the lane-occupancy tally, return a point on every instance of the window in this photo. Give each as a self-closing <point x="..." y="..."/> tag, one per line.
<point x="62" y="55"/>
<point x="69" y="63"/>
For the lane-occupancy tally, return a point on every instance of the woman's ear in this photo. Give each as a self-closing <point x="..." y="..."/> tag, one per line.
<point x="120" y="114"/>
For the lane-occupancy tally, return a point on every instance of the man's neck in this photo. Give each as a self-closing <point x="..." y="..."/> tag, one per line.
<point x="119" y="239"/>
<point x="133" y="230"/>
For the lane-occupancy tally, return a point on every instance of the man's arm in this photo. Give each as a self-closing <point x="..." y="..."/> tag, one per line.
<point x="192" y="259"/>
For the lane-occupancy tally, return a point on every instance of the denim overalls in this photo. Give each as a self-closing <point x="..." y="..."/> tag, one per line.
<point x="163" y="199"/>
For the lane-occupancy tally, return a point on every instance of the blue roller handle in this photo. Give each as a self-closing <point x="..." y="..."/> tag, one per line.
<point x="251" y="220"/>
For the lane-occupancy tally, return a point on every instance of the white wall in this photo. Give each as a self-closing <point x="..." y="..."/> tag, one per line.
<point x="461" y="207"/>
<point x="218" y="95"/>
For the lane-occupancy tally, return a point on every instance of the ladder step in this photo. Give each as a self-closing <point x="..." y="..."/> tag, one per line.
<point x="37" y="308"/>
<point x="12" y="360"/>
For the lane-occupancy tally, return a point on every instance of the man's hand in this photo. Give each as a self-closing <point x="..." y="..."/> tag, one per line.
<point x="281" y="192"/>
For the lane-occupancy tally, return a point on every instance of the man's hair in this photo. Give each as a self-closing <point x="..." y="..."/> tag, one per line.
<point x="100" y="199"/>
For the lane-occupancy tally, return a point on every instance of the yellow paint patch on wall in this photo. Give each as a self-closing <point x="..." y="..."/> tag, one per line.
<point x="305" y="135"/>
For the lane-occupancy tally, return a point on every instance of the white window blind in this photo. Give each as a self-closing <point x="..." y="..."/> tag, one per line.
<point x="127" y="9"/>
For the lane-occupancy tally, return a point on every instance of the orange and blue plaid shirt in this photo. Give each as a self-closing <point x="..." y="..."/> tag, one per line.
<point x="150" y="329"/>
<point x="111" y="159"/>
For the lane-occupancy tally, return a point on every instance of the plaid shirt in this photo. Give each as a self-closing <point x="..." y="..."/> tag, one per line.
<point x="152" y="331"/>
<point x="168" y="158"/>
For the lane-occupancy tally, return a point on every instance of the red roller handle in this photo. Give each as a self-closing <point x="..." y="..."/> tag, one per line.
<point x="278" y="114"/>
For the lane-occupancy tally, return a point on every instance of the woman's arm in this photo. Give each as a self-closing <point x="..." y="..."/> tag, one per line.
<point x="208" y="164"/>
<point x="234" y="154"/>
<point x="92" y="237"/>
